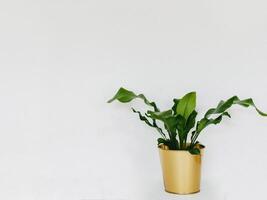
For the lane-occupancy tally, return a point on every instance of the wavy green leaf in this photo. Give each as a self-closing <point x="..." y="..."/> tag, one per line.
<point x="166" y="117"/>
<point x="171" y="124"/>
<point x="153" y="124"/>
<point x="194" y="151"/>
<point x="203" y="123"/>
<point x="191" y="121"/>
<point x="163" y="141"/>
<point x="175" y="101"/>
<point x="186" y="105"/>
<point x="123" y="95"/>
<point x="224" y="105"/>
<point x="181" y="127"/>
<point x="181" y="124"/>
<point x="172" y="144"/>
<point x="160" y="115"/>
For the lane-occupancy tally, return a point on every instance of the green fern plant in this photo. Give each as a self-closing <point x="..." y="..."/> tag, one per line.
<point x="181" y="128"/>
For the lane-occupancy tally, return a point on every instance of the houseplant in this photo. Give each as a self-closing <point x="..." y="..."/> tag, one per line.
<point x="179" y="148"/>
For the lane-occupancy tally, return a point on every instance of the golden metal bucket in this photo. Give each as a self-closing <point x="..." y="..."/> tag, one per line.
<point x="181" y="170"/>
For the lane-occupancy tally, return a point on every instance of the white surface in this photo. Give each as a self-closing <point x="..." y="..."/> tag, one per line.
<point x="61" y="60"/>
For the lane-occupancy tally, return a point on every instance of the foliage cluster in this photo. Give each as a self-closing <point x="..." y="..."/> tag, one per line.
<point x="181" y="129"/>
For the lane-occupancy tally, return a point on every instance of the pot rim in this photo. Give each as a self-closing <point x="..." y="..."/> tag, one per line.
<point x="201" y="147"/>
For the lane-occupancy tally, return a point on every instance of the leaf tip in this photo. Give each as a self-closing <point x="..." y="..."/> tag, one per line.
<point x="109" y="101"/>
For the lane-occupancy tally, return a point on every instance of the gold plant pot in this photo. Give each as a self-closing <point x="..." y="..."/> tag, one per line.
<point x="181" y="170"/>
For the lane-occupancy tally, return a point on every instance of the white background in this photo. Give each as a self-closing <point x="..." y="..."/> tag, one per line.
<point x="60" y="61"/>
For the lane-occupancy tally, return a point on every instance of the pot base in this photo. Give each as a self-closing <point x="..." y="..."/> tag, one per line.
<point x="182" y="193"/>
